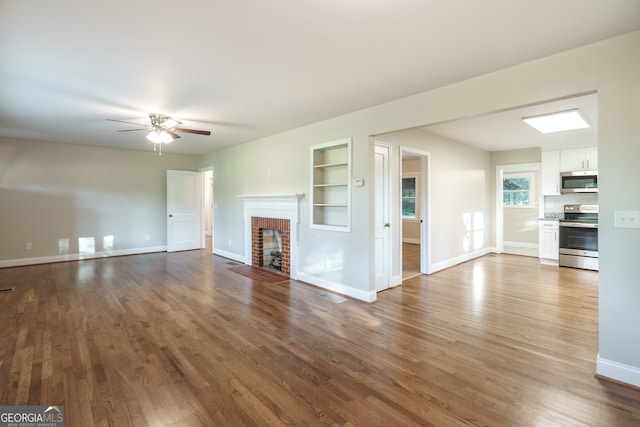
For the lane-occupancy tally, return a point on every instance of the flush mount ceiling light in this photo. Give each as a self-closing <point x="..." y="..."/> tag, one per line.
<point x="557" y="122"/>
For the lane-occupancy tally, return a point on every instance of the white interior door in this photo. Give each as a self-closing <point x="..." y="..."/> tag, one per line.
<point x="382" y="218"/>
<point x="184" y="210"/>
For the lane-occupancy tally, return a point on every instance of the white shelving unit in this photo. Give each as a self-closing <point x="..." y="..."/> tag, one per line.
<point x="331" y="185"/>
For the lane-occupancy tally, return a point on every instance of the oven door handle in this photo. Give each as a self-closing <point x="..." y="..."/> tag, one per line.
<point x="577" y="225"/>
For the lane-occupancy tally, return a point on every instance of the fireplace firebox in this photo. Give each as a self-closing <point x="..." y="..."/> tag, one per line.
<point x="258" y="225"/>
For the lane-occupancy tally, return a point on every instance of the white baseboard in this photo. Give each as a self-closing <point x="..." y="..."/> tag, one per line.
<point x="618" y="371"/>
<point x="521" y="244"/>
<point x="230" y="255"/>
<point x="338" y="287"/>
<point x="77" y="257"/>
<point x="521" y="248"/>
<point x="460" y="259"/>
<point x="396" y="280"/>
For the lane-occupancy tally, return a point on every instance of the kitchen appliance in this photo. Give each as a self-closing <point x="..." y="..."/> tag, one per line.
<point x="578" y="242"/>
<point x="579" y="182"/>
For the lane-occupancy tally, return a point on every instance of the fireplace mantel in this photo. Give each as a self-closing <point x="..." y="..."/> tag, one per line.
<point x="263" y="198"/>
<point x="282" y="206"/>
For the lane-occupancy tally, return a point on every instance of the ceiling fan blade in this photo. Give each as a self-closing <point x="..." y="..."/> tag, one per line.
<point x="131" y="130"/>
<point x="170" y="123"/>
<point x="197" y="132"/>
<point x="131" y="123"/>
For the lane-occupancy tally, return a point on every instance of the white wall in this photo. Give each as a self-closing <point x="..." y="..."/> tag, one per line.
<point x="54" y="191"/>
<point x="619" y="189"/>
<point x="610" y="67"/>
<point x="280" y="165"/>
<point x="51" y="194"/>
<point x="460" y="213"/>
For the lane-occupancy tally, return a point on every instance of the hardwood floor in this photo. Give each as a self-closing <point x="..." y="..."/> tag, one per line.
<point x="178" y="339"/>
<point x="410" y="260"/>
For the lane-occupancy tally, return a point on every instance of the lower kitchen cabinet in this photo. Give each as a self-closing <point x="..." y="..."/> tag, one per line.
<point x="548" y="241"/>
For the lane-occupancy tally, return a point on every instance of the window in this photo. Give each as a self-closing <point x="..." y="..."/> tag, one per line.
<point x="410" y="205"/>
<point x="516" y="189"/>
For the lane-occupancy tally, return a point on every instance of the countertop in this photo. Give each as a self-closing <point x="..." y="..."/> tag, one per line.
<point x="552" y="216"/>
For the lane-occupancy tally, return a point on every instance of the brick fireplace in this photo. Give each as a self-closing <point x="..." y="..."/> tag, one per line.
<point x="257" y="244"/>
<point x="274" y="212"/>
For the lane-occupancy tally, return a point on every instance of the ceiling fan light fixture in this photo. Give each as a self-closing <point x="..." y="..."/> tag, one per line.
<point x="162" y="130"/>
<point x="159" y="137"/>
<point x="557" y="122"/>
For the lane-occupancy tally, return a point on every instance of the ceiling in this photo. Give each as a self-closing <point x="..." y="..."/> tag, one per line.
<point x="248" y="68"/>
<point x="505" y="130"/>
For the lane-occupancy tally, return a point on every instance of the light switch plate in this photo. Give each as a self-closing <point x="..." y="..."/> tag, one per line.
<point x="627" y="219"/>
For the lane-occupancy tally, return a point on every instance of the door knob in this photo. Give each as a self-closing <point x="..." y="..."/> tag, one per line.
<point x="387" y="225"/>
<point x="170" y="215"/>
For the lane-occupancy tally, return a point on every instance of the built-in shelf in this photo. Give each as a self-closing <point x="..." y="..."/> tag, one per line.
<point x="331" y="165"/>
<point x="331" y="185"/>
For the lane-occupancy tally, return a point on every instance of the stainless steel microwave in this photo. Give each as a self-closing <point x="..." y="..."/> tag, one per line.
<point x="579" y="182"/>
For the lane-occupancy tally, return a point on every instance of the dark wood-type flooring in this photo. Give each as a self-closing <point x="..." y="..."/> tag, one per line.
<point x="410" y="260"/>
<point x="180" y="340"/>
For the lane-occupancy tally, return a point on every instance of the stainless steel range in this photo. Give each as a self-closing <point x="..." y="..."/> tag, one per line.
<point x="578" y="243"/>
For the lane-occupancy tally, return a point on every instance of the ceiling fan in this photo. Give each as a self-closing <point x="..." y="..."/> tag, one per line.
<point x="163" y="129"/>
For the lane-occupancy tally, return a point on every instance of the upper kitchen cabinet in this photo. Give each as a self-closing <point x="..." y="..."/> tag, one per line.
<point x="550" y="175"/>
<point x="579" y="159"/>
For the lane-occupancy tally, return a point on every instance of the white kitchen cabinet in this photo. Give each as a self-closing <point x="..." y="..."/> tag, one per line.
<point x="331" y="185"/>
<point x="591" y="155"/>
<point x="550" y="175"/>
<point x="548" y="241"/>
<point x="578" y="159"/>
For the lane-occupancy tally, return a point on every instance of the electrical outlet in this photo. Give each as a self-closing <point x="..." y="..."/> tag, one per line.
<point x="28" y="246"/>
<point x="146" y="237"/>
<point x="627" y="219"/>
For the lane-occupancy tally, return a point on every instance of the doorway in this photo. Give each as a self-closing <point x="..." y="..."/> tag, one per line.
<point x="207" y="207"/>
<point x="184" y="210"/>
<point x="414" y="212"/>
<point x="207" y="186"/>
<point x="518" y="206"/>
